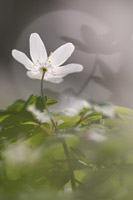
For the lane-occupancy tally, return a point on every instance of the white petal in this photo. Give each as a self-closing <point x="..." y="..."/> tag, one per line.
<point x="23" y="59"/>
<point x="67" y="69"/>
<point x="53" y="79"/>
<point x="37" y="49"/>
<point x="34" y="74"/>
<point x="60" y="55"/>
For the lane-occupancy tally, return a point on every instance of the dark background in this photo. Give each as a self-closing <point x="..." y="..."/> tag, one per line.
<point x="102" y="32"/>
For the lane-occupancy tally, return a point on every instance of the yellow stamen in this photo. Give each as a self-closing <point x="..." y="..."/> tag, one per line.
<point x="50" y="54"/>
<point x="49" y="57"/>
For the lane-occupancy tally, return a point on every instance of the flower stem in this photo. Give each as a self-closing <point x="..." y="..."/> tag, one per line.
<point x="44" y="99"/>
<point x="64" y="144"/>
<point x="42" y="91"/>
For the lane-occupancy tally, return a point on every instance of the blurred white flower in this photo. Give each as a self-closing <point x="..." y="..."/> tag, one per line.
<point x="97" y="137"/>
<point x="21" y="153"/>
<point x="71" y="103"/>
<point x="106" y="108"/>
<point x="40" y="116"/>
<point x="97" y="134"/>
<point x="74" y="104"/>
<point x="40" y="60"/>
<point x="70" y="112"/>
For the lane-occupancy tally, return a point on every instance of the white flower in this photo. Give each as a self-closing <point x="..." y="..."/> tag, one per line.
<point x="54" y="71"/>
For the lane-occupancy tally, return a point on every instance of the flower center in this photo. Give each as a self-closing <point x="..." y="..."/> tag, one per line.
<point x="46" y="67"/>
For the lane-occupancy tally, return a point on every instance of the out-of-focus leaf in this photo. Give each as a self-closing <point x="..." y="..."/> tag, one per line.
<point x="91" y="119"/>
<point x="16" y="121"/>
<point x="33" y="157"/>
<point x="16" y="131"/>
<point x="16" y="118"/>
<point x="16" y="106"/>
<point x="124" y="113"/>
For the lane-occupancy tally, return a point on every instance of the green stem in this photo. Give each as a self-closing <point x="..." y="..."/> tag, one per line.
<point x="44" y="99"/>
<point x="72" y="177"/>
<point x="64" y="144"/>
<point x="42" y="91"/>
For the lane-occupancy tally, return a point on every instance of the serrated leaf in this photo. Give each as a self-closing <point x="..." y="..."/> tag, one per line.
<point x="68" y="122"/>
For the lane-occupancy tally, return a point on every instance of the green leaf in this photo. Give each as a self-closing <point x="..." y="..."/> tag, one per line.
<point x="17" y="122"/>
<point x="51" y="101"/>
<point x="31" y="101"/>
<point x="92" y="119"/>
<point x="16" y="106"/>
<point x="17" y="132"/>
<point x="16" y="118"/>
<point x="68" y="122"/>
<point x="124" y="113"/>
<point x="17" y="113"/>
<point x="35" y="100"/>
<point x="38" y="102"/>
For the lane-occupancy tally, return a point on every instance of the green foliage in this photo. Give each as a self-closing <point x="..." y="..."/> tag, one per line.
<point x="38" y="102"/>
<point x="16" y="122"/>
<point x="34" y="165"/>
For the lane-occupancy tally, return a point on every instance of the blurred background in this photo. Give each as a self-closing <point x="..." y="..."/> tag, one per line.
<point x="101" y="30"/>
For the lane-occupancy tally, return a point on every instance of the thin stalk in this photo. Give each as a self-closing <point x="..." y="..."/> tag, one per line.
<point x="44" y="99"/>
<point x="72" y="177"/>
<point x="64" y="144"/>
<point x="42" y="91"/>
